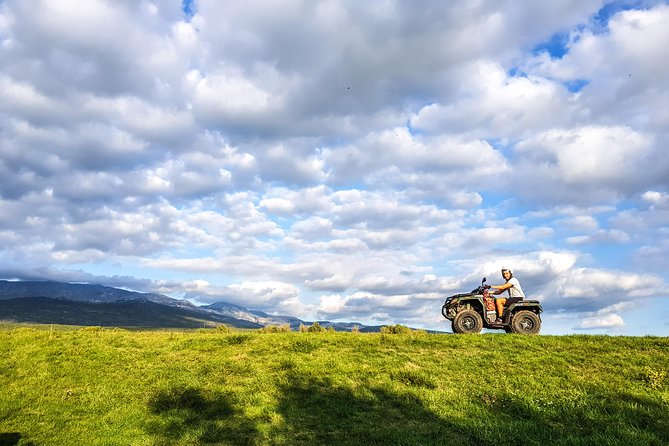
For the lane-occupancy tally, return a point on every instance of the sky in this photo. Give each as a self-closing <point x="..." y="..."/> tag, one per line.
<point x="342" y="160"/>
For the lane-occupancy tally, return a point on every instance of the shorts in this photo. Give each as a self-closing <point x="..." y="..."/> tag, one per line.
<point x="512" y="300"/>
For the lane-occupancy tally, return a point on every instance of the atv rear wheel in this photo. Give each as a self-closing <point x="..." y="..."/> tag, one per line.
<point x="467" y="322"/>
<point x="525" y="322"/>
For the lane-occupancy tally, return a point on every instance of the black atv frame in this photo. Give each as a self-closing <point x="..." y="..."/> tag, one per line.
<point x="468" y="315"/>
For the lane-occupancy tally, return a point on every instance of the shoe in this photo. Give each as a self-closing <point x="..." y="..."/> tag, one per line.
<point x="498" y="320"/>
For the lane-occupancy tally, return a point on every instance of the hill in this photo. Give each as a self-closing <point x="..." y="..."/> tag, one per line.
<point x="129" y="313"/>
<point x="265" y="319"/>
<point x="81" y="292"/>
<point x="92" y="304"/>
<point x="64" y="386"/>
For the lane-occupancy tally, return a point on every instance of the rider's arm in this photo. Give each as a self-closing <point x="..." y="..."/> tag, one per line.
<point x="501" y="288"/>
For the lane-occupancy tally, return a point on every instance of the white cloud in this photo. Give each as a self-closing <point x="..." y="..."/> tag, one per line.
<point x="226" y="95"/>
<point x="145" y="119"/>
<point x="498" y="105"/>
<point x="623" y="66"/>
<point x="396" y="158"/>
<point x="613" y="161"/>
<point x="604" y="321"/>
<point x="277" y="205"/>
<point x="587" y="284"/>
<point x="656" y="199"/>
<point x="611" y="236"/>
<point x="581" y="222"/>
<point x="23" y="99"/>
<point x="289" y="203"/>
<point x="260" y="147"/>
<point x="331" y="305"/>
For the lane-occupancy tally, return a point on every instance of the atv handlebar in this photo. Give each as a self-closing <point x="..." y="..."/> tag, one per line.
<point x="481" y="289"/>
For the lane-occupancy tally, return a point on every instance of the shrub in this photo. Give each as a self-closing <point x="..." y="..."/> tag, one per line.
<point x="396" y="329"/>
<point x="275" y="329"/>
<point x="223" y="329"/>
<point x="316" y="328"/>
<point x="303" y="328"/>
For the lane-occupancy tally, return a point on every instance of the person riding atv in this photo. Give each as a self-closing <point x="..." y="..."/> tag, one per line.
<point x="473" y="311"/>
<point x="514" y="290"/>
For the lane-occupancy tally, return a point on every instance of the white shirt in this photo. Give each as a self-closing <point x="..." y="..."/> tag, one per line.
<point x="515" y="290"/>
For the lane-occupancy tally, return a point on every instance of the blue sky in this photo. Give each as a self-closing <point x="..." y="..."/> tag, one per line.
<point x="342" y="160"/>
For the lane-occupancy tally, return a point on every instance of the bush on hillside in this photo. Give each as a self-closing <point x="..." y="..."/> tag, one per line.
<point x="275" y="329"/>
<point x="316" y="328"/>
<point x="396" y="329"/>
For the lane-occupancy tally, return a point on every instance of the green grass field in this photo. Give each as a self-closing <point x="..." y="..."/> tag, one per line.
<point x="92" y="386"/>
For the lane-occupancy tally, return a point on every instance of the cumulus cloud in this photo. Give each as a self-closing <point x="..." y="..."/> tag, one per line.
<point x="586" y="289"/>
<point x="614" y="162"/>
<point x="598" y="322"/>
<point x="259" y="294"/>
<point x="656" y="199"/>
<point x="611" y="236"/>
<point x="500" y="105"/>
<point x="621" y="66"/>
<point x="259" y="154"/>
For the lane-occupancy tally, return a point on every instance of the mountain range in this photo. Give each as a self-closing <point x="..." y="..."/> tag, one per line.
<point x="47" y="302"/>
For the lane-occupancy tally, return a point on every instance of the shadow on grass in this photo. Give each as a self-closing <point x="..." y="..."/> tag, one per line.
<point x="9" y="438"/>
<point x="316" y="412"/>
<point x="313" y="412"/>
<point x="192" y="416"/>
<point x="598" y="418"/>
<point x="12" y="439"/>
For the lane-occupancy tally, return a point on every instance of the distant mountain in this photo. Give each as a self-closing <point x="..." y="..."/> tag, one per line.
<point x="124" y="313"/>
<point x="51" y="302"/>
<point x="260" y="317"/>
<point x="82" y="292"/>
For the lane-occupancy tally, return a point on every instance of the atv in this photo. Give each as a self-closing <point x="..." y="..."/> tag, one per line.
<point x="471" y="312"/>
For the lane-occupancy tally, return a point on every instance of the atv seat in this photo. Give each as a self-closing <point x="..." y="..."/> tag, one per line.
<point x="524" y="303"/>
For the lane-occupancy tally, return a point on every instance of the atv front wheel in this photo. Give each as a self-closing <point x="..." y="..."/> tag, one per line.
<point x="525" y="322"/>
<point x="467" y="322"/>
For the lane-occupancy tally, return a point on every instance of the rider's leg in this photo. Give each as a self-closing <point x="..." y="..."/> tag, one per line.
<point x="499" y="303"/>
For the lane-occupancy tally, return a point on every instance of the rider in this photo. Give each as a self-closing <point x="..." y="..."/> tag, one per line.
<point x="512" y="286"/>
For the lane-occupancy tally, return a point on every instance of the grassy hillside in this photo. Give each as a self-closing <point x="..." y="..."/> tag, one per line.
<point x="131" y="313"/>
<point x="92" y="386"/>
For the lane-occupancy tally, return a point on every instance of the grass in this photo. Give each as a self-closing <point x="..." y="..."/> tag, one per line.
<point x="93" y="386"/>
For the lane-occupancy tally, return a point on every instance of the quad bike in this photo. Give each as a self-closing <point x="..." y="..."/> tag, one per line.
<point x="471" y="312"/>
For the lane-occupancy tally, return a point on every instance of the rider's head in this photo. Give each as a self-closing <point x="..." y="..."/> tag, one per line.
<point x="507" y="270"/>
